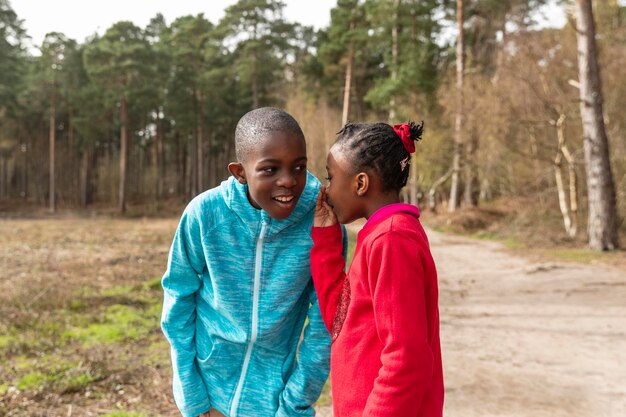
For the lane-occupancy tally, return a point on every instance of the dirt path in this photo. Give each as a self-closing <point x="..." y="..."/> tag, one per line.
<point x="527" y="339"/>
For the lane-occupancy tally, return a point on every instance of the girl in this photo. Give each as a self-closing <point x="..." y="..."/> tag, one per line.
<point x="383" y="315"/>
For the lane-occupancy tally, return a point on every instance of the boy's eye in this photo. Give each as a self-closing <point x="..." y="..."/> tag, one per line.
<point x="301" y="168"/>
<point x="268" y="170"/>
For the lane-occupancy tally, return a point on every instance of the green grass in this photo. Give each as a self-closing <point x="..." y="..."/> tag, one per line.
<point x="78" y="381"/>
<point x="153" y="285"/>
<point x="583" y="255"/>
<point x="486" y="235"/>
<point x="48" y="346"/>
<point x="55" y="373"/>
<point x="95" y="329"/>
<point x="35" y="380"/>
<point x="119" y="322"/>
<point x="5" y="341"/>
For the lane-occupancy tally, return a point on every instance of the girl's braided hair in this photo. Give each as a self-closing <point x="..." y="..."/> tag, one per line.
<point x="377" y="148"/>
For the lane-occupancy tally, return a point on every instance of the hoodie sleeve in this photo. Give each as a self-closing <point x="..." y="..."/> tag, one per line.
<point x="306" y="382"/>
<point x="180" y="283"/>
<point x="313" y="364"/>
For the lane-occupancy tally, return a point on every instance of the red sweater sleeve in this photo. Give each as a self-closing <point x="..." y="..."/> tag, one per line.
<point x="396" y="279"/>
<point x="327" y="269"/>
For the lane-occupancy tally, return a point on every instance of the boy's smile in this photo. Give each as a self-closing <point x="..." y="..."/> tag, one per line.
<point x="275" y="171"/>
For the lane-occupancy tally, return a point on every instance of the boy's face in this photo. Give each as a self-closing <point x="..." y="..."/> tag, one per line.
<point x="342" y="188"/>
<point x="275" y="171"/>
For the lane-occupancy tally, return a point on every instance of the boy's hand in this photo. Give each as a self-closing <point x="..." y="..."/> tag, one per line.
<point x="324" y="215"/>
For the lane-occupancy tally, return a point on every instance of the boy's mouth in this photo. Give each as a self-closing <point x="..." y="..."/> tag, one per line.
<point x="286" y="200"/>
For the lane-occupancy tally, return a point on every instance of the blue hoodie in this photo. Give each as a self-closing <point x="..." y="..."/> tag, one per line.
<point x="237" y="292"/>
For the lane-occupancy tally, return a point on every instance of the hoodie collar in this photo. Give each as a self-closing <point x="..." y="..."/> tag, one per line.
<point x="235" y="195"/>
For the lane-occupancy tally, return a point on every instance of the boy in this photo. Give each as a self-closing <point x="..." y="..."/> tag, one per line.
<point x="238" y="284"/>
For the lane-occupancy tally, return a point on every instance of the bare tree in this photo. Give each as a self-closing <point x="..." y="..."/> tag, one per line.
<point x="568" y="211"/>
<point x="52" y="137"/>
<point x="458" y="122"/>
<point x="394" y="57"/>
<point x="602" y="222"/>
<point x="348" y="81"/>
<point x="123" y="154"/>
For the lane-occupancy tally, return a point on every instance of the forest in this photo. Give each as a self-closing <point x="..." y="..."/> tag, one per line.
<point x="145" y="116"/>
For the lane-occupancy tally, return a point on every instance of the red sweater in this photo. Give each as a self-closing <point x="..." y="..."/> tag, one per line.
<point x="386" y="356"/>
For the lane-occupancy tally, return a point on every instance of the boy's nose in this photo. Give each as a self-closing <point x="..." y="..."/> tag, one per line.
<point x="287" y="180"/>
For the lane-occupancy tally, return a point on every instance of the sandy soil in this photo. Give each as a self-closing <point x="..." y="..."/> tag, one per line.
<point x="528" y="339"/>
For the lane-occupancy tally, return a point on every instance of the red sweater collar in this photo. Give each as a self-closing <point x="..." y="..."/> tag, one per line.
<point x="386" y="211"/>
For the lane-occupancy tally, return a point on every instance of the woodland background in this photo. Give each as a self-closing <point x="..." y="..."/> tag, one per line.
<point x="145" y="116"/>
<point x="102" y="143"/>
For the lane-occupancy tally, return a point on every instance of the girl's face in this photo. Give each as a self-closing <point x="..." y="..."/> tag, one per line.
<point x="275" y="171"/>
<point x="342" y="188"/>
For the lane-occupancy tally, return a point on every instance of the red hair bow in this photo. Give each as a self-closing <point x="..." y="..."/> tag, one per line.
<point x="404" y="133"/>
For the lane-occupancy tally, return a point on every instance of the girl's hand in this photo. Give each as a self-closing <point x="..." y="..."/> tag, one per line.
<point x="324" y="215"/>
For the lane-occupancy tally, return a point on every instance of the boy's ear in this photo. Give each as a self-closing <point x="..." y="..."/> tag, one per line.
<point x="236" y="169"/>
<point x="362" y="183"/>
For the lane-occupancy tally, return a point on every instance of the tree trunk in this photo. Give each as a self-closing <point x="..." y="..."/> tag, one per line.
<point x="212" y="158"/>
<point x="394" y="58"/>
<point x="348" y="83"/>
<point x="255" y="81"/>
<point x="602" y="223"/>
<point x="140" y="162"/>
<point x="24" y="189"/>
<point x="123" y="155"/>
<point x="3" y="176"/>
<point x="568" y="211"/>
<point x="25" y="164"/>
<point x="458" y="122"/>
<point x="567" y="220"/>
<point x="72" y="153"/>
<point x="432" y="203"/>
<point x="200" y="149"/>
<point x="573" y="190"/>
<point x="181" y="166"/>
<point x="470" y="196"/>
<point x="84" y="179"/>
<point x="255" y="92"/>
<point x="52" y="137"/>
<point x="158" y="161"/>
<point x="413" y="184"/>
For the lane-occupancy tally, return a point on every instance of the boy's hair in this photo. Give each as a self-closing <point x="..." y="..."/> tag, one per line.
<point x="377" y="147"/>
<point x="259" y="122"/>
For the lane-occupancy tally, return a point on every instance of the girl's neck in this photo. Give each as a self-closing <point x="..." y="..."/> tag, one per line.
<point x="380" y="201"/>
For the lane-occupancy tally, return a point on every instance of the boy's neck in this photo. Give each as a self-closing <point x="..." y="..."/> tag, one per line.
<point x="379" y="201"/>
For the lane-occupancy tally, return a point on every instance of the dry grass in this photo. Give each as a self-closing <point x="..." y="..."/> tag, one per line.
<point x="79" y="306"/>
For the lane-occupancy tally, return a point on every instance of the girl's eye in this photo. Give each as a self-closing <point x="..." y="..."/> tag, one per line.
<point x="328" y="179"/>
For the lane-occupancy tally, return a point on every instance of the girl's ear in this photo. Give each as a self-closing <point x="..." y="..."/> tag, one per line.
<point x="362" y="183"/>
<point x="236" y="169"/>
